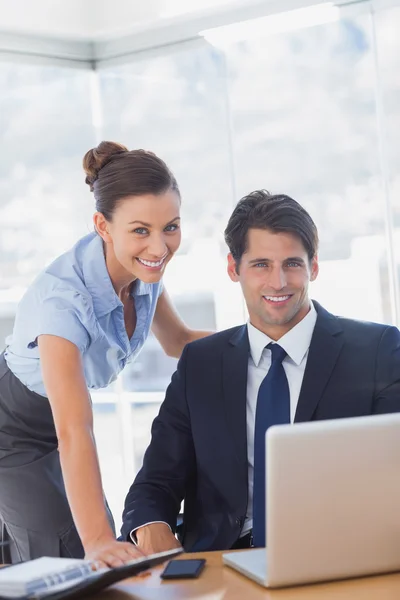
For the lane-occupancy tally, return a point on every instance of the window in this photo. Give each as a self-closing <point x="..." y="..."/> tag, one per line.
<point x="45" y="129"/>
<point x="304" y="122"/>
<point x="387" y="24"/>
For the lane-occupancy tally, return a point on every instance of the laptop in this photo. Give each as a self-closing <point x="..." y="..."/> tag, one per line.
<point x="332" y="502"/>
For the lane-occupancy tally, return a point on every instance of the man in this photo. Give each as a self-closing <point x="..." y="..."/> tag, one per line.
<point x="207" y="442"/>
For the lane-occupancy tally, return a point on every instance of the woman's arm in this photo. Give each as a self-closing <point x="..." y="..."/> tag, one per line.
<point x="170" y="330"/>
<point x="73" y="418"/>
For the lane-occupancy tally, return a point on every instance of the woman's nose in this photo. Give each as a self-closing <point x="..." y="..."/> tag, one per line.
<point x="157" y="246"/>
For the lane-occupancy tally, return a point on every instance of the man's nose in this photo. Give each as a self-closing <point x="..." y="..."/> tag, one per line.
<point x="277" y="279"/>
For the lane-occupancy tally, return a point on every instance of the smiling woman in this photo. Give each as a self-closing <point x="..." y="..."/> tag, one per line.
<point x="143" y="235"/>
<point x="83" y="318"/>
<point x="138" y="207"/>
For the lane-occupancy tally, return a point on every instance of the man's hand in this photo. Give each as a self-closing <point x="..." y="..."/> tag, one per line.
<point x="107" y="552"/>
<point x="156" y="537"/>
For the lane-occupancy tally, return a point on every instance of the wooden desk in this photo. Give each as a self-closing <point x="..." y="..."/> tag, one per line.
<point x="222" y="583"/>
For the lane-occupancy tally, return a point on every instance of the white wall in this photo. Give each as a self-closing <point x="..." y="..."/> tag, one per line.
<point x="89" y="19"/>
<point x="99" y="19"/>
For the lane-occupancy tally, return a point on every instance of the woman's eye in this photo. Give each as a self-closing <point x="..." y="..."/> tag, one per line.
<point x="140" y="230"/>
<point x="172" y="227"/>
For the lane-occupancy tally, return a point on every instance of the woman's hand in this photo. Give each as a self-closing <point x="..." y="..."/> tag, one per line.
<point x="107" y="552"/>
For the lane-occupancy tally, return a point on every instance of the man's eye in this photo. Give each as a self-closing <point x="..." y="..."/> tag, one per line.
<point x="260" y="265"/>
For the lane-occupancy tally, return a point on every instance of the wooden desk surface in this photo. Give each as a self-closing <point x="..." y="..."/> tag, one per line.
<point x="222" y="583"/>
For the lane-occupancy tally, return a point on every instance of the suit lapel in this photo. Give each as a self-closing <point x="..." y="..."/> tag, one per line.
<point x="325" y="347"/>
<point x="234" y="373"/>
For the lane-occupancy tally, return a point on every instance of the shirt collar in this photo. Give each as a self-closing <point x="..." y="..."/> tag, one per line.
<point x="98" y="282"/>
<point x="141" y="289"/>
<point x="296" y="341"/>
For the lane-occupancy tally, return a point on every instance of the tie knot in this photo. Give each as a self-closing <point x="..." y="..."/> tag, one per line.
<point x="277" y="352"/>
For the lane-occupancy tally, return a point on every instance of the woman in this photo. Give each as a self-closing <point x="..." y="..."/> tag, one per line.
<point x="79" y="323"/>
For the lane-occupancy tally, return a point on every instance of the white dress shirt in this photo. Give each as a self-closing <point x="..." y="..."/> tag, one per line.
<point x="296" y="342"/>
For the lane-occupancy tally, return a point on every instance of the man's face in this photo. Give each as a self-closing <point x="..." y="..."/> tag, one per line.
<point x="274" y="274"/>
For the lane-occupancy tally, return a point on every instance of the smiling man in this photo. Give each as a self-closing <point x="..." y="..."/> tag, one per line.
<point x="293" y="361"/>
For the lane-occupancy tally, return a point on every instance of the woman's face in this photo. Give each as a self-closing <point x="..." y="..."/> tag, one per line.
<point x="143" y="235"/>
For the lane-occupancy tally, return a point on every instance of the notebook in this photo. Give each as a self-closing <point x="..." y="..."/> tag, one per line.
<point x="59" y="578"/>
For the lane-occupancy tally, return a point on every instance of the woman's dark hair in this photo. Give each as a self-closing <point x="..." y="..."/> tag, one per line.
<point x="113" y="172"/>
<point x="277" y="213"/>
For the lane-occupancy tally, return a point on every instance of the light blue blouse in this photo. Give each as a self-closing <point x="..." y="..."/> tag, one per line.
<point x="74" y="299"/>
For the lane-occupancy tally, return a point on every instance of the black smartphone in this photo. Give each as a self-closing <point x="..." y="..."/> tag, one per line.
<point x="183" y="569"/>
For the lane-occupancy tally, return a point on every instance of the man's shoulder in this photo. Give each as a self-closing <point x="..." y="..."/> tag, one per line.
<point x="362" y="326"/>
<point x="367" y="336"/>
<point x="217" y="340"/>
<point x="356" y="328"/>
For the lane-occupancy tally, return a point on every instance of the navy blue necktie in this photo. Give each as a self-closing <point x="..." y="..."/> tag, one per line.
<point x="273" y="408"/>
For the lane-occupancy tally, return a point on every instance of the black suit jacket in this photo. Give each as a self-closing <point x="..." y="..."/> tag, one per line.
<point x="198" y="449"/>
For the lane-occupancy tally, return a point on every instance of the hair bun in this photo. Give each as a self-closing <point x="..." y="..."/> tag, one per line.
<point x="96" y="158"/>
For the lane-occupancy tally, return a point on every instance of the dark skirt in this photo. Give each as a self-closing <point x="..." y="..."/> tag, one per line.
<point x="33" y="503"/>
